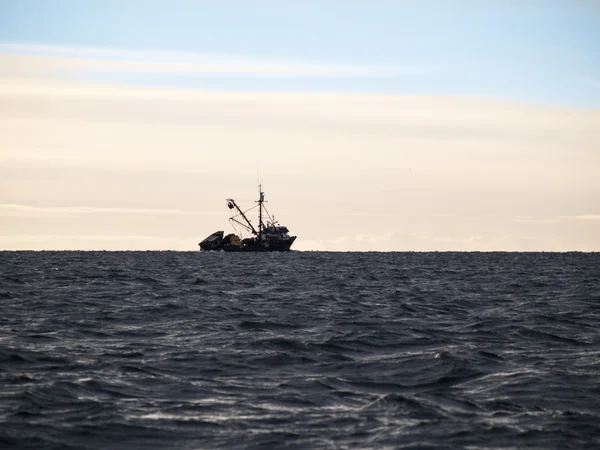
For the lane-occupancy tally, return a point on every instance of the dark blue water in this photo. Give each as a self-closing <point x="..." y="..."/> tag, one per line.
<point x="125" y="350"/>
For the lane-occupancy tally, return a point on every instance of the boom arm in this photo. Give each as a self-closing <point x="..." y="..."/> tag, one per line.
<point x="231" y="204"/>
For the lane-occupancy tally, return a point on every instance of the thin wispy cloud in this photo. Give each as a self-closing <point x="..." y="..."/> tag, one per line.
<point x="584" y="217"/>
<point x="62" y="58"/>
<point x="94" y="242"/>
<point x="17" y="210"/>
<point x="394" y="241"/>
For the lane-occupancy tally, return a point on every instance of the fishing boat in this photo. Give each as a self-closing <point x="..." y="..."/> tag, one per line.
<point x="268" y="236"/>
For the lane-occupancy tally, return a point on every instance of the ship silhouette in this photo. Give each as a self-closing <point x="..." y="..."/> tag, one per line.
<point x="269" y="236"/>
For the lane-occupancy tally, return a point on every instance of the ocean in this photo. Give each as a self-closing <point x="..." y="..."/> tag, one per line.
<point x="299" y="350"/>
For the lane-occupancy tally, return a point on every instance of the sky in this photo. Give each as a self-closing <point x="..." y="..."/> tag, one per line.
<point x="374" y="126"/>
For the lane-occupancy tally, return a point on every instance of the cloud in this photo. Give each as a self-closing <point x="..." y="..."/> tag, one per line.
<point x="43" y="58"/>
<point x="134" y="162"/>
<point x="359" y="242"/>
<point x="532" y="219"/>
<point x="419" y="242"/>
<point x="94" y="242"/>
<point x="584" y="217"/>
<point x="15" y="210"/>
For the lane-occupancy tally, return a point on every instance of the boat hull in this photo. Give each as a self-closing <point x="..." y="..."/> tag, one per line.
<point x="232" y="243"/>
<point x="265" y="246"/>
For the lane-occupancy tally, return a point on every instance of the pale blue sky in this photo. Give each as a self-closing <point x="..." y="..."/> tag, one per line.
<point x="534" y="51"/>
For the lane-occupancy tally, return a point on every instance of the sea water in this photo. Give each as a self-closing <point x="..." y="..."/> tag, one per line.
<point x="186" y="350"/>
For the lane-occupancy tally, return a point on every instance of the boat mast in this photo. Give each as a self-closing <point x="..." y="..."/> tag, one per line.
<point x="261" y="198"/>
